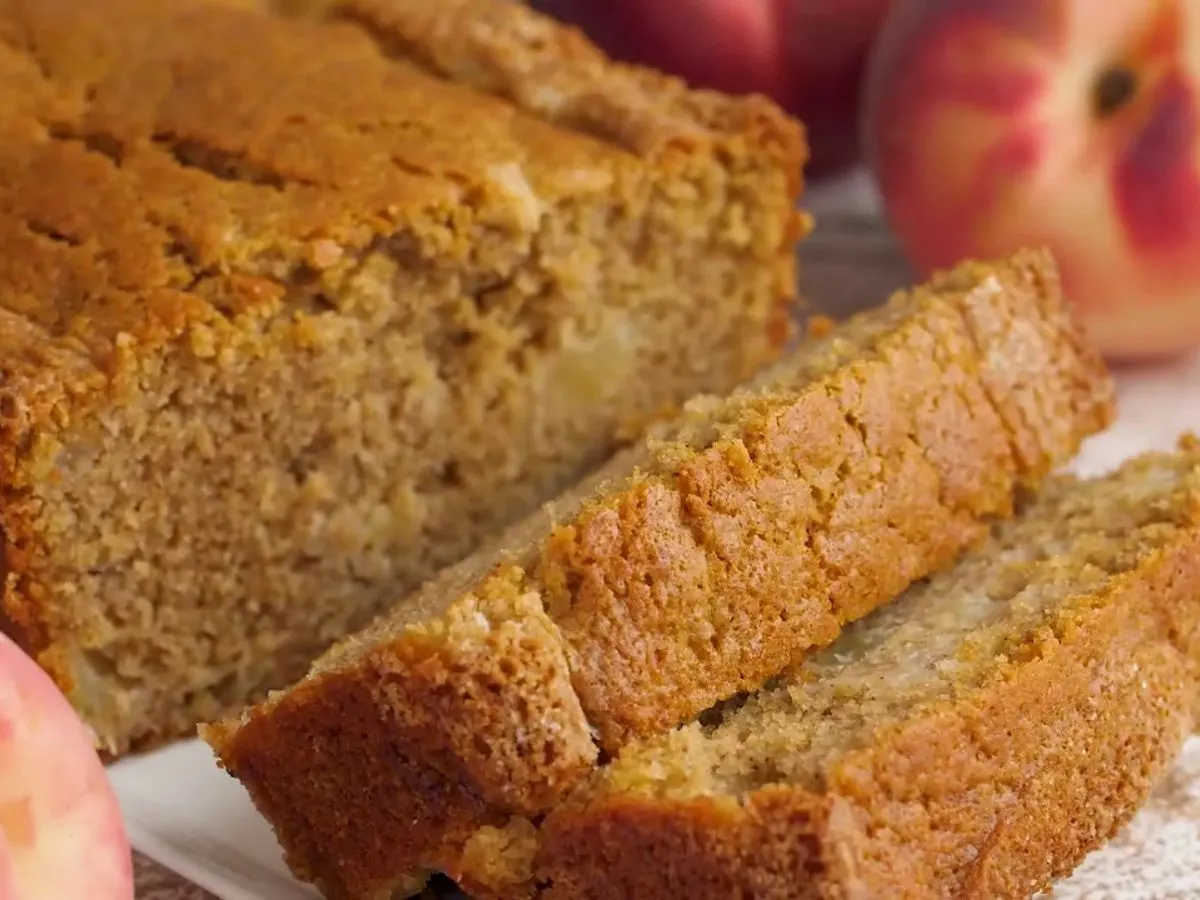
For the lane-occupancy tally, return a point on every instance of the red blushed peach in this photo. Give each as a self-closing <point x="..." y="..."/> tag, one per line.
<point x="808" y="55"/>
<point x="994" y="124"/>
<point x="825" y="49"/>
<point x="61" y="835"/>
<point x="8" y="878"/>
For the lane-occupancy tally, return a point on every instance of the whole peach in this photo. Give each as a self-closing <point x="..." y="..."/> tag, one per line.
<point x="808" y="55"/>
<point x="992" y="124"/>
<point x="61" y="834"/>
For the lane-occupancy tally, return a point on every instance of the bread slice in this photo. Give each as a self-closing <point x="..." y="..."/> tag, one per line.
<point x="293" y="315"/>
<point x="975" y="739"/>
<point x="693" y="567"/>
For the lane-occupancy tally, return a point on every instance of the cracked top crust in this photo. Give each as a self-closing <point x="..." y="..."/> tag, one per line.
<point x="168" y="163"/>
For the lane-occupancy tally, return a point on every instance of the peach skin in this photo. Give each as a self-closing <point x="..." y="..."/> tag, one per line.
<point x="808" y="55"/>
<point x="61" y="834"/>
<point x="1073" y="124"/>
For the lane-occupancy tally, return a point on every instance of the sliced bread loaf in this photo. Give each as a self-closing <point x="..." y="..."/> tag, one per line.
<point x="695" y="566"/>
<point x="974" y="739"/>
<point x="293" y="313"/>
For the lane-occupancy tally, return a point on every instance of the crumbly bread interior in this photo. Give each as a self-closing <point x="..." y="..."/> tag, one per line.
<point x="292" y="320"/>
<point x="670" y="444"/>
<point x="940" y="638"/>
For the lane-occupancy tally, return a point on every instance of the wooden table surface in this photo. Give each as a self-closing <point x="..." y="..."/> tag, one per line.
<point x="157" y="883"/>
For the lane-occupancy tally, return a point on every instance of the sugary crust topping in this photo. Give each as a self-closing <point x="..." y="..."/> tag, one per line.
<point x="168" y="163"/>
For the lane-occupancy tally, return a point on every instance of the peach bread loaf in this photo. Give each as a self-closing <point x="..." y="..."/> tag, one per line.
<point x="975" y="739"/>
<point x="296" y="312"/>
<point x="694" y="566"/>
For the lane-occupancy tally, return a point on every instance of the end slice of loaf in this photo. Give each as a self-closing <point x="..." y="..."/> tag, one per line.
<point x="975" y="739"/>
<point x="302" y="311"/>
<point x="693" y="567"/>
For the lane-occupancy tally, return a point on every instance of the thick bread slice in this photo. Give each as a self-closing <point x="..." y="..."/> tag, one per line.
<point x="974" y="739"/>
<point x="694" y="567"/>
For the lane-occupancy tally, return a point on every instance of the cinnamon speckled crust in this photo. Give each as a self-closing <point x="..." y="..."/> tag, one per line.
<point x="992" y="793"/>
<point x="295" y="312"/>
<point x="698" y="565"/>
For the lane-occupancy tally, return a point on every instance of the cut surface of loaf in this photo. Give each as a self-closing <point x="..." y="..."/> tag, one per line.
<point x="974" y="739"/>
<point x="692" y="567"/>
<point x="293" y="313"/>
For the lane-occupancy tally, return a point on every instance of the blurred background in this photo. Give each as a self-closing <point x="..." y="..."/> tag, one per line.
<point x="944" y="129"/>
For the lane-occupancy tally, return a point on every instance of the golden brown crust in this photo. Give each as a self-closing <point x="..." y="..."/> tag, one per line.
<point x="176" y="189"/>
<point x="1043" y="380"/>
<point x="441" y="682"/>
<point x="343" y="721"/>
<point x="993" y="794"/>
<point x="868" y="461"/>
<point x="187" y="174"/>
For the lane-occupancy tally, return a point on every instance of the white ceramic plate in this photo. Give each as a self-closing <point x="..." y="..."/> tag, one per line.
<point x="184" y="812"/>
<point x="191" y="817"/>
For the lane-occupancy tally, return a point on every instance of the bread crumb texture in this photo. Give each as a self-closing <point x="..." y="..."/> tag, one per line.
<point x="296" y="311"/>
<point x="718" y="553"/>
